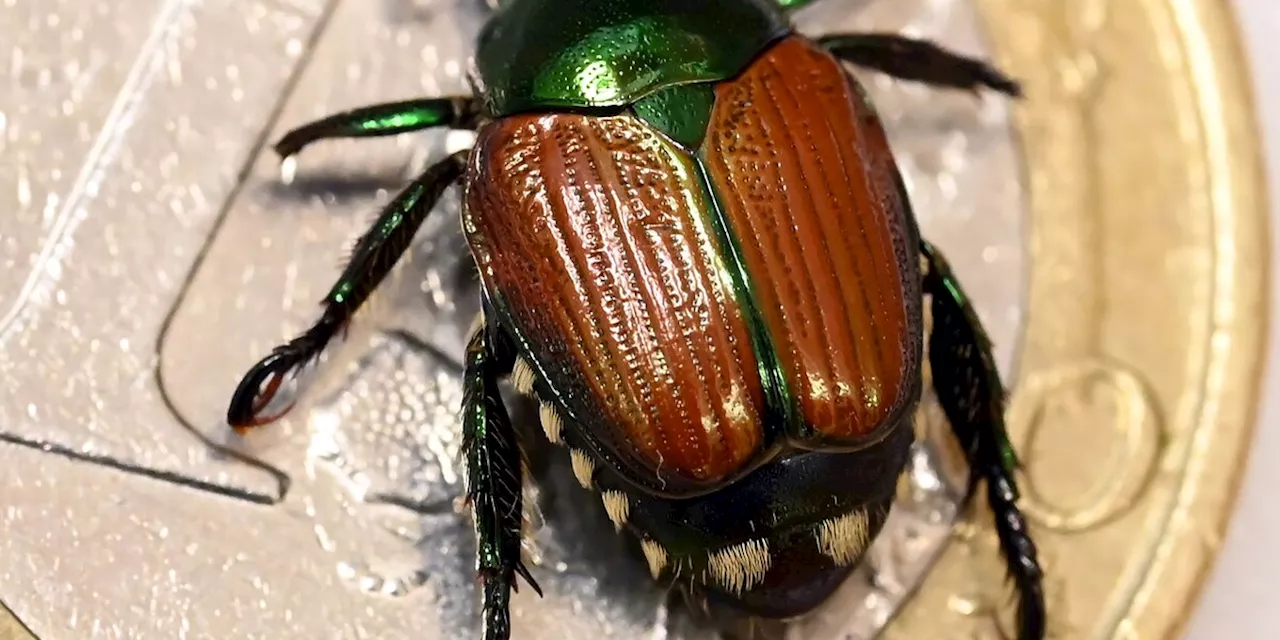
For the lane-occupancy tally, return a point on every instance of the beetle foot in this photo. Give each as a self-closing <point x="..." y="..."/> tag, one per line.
<point x="260" y="386"/>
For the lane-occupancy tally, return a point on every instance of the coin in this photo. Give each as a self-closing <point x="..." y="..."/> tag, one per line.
<point x="1140" y="369"/>
<point x="1133" y="381"/>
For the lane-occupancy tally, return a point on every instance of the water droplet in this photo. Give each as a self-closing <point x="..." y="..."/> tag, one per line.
<point x="288" y="170"/>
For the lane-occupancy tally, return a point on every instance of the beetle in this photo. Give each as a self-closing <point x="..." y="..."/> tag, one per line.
<point x="697" y="253"/>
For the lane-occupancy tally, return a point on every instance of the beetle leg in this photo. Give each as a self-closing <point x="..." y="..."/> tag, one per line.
<point x="373" y="258"/>
<point x="920" y="60"/>
<point x="494" y="463"/>
<point x="973" y="398"/>
<point x="455" y="112"/>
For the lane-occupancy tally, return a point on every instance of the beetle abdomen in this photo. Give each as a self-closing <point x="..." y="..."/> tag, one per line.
<point x="590" y="235"/>
<point x="802" y="171"/>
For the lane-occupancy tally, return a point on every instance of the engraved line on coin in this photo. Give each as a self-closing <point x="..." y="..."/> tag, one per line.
<point x="90" y="457"/>
<point x="255" y="151"/>
<point x="1084" y="77"/>
<point x="982" y="598"/>
<point x="156" y="52"/>
<point x="1211" y="169"/>
<point x="1141" y="427"/>
<point x="1067" y="204"/>
<point x="1079" y="82"/>
<point x="1054" y="119"/>
<point x="976" y="599"/>
<point x="9" y="622"/>
<point x="1134" y="460"/>
<point x="169" y="26"/>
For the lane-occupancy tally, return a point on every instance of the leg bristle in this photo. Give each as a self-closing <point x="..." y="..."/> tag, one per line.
<point x="844" y="539"/>
<point x="655" y="555"/>
<point x="522" y="377"/>
<point x="617" y="506"/>
<point x="583" y="468"/>
<point x="741" y="566"/>
<point x="552" y="424"/>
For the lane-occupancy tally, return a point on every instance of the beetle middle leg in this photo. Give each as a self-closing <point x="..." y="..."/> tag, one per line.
<point x="920" y="60"/>
<point x="375" y="254"/>
<point x="455" y="112"/>
<point x="494" y="472"/>
<point x="973" y="398"/>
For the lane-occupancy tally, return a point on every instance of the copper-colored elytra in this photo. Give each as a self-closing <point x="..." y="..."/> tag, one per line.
<point x="804" y="175"/>
<point x="594" y="232"/>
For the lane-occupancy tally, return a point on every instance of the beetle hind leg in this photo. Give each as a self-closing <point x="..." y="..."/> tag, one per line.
<point x="375" y="254"/>
<point x="920" y="60"/>
<point x="456" y="112"/>
<point x="973" y="398"/>
<point x="494" y="471"/>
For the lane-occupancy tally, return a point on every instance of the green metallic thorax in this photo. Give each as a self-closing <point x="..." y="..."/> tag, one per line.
<point x="542" y="54"/>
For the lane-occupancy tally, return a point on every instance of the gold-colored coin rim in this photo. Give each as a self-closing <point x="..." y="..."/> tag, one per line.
<point x="1076" y="315"/>
<point x="11" y="628"/>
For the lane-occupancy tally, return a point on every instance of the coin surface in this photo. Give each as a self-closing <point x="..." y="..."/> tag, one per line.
<point x="1110" y="229"/>
<point x="10" y="627"/>
<point x="1140" y="368"/>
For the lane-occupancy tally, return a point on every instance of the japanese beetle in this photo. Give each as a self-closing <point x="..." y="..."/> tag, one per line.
<point x="697" y="252"/>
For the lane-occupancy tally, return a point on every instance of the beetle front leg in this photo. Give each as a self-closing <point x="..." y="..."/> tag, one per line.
<point x="494" y="474"/>
<point x="374" y="255"/>
<point x="918" y="60"/>
<point x="455" y="112"/>
<point x="973" y="398"/>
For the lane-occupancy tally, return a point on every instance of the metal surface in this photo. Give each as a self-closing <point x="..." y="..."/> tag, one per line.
<point x="1245" y="573"/>
<point x="140" y="193"/>
<point x="139" y="247"/>
<point x="1140" y="366"/>
<point x="153" y="254"/>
